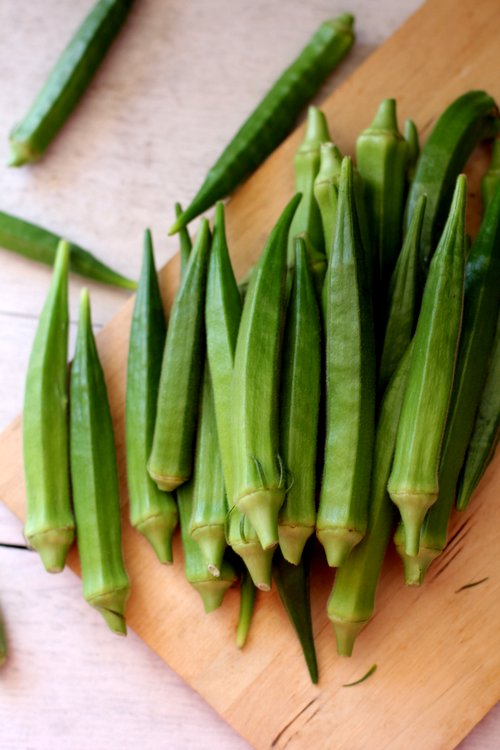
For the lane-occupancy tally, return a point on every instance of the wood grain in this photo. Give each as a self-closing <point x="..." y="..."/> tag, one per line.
<point x="436" y="650"/>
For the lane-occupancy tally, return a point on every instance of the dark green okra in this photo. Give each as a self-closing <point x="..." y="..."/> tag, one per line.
<point x="491" y="179"/>
<point x="95" y="481"/>
<point x="413" y="484"/>
<point x="152" y="512"/>
<point x="350" y="391"/>
<point x="171" y="459"/>
<point x="411" y="138"/>
<point x="259" y="473"/>
<point x="67" y="81"/>
<point x="50" y="526"/>
<point x="299" y="406"/>
<point x="275" y="116"/>
<point x="247" y="602"/>
<point x="185" y="244"/>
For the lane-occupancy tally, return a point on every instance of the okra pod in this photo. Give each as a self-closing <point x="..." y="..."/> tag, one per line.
<point x="67" y="81"/>
<point x="350" y="389"/>
<point x="326" y="191"/>
<point x="259" y="474"/>
<point x="50" y="526"/>
<point x="152" y="513"/>
<point x="411" y="138"/>
<point x="185" y="244"/>
<point x="95" y="482"/>
<point x="247" y="601"/>
<point x="491" y="179"/>
<point x="317" y="264"/>
<point x="413" y="484"/>
<point x="171" y="459"/>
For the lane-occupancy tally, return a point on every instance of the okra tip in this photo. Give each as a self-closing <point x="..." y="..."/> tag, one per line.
<point x="292" y="540"/>
<point x="413" y="509"/>
<point x="415" y="567"/>
<point x="212" y="592"/>
<point x="343" y="21"/>
<point x="261" y="507"/>
<point x="20" y="153"/>
<point x="338" y="543"/>
<point x="385" y="117"/>
<point x="211" y="540"/>
<point x="158" y="530"/>
<point x="346" y="632"/>
<point x="258" y="562"/>
<point x="53" y="547"/>
<point x="111" y="606"/>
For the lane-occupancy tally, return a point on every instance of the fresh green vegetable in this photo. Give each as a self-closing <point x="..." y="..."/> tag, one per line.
<point x="247" y="601"/>
<point x="326" y="191"/>
<point x="413" y="484"/>
<point x="152" y="512"/>
<point x="39" y="244"/>
<point x="275" y="116"/>
<point x="50" y="526"/>
<point x="350" y="391"/>
<point x="95" y="482"/>
<point x="67" y="81"/>
<point x="185" y="244"/>
<point x="172" y="452"/>
<point x="317" y="264"/>
<point x="411" y="138"/>
<point x="492" y="177"/>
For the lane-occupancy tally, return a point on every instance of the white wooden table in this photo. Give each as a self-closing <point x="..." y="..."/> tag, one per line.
<point x="176" y="85"/>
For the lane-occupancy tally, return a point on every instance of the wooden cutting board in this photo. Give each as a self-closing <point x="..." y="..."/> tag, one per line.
<point x="437" y="650"/>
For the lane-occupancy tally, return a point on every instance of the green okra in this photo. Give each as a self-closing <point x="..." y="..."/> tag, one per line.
<point x="467" y="121"/>
<point x="411" y="138"/>
<point x="491" y="179"/>
<point x="152" y="512"/>
<point x="67" y="81"/>
<point x="94" y="480"/>
<point x="402" y="307"/>
<point x="317" y="264"/>
<point x="299" y="407"/>
<point x="350" y="391"/>
<point x="39" y="244"/>
<point x="247" y="602"/>
<point x="382" y="156"/>
<point x="352" y="600"/>
<point x="413" y="484"/>
<point x="171" y="459"/>
<point x="185" y="244"/>
<point x="275" y="116"/>
<point x="50" y="526"/>
<point x="259" y="473"/>
<point x="326" y="191"/>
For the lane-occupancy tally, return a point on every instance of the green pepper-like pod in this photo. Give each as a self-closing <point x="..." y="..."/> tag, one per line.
<point x="402" y="300"/>
<point x="247" y="601"/>
<point x="350" y="391"/>
<point x="50" y="526"/>
<point x="171" y="459"/>
<point x="467" y="121"/>
<point x="413" y="484"/>
<point x="486" y="432"/>
<point x="411" y="138"/>
<point x="185" y="244"/>
<point x="152" y="513"/>
<point x="352" y="600"/>
<point x="382" y="156"/>
<point x="491" y="179"/>
<point x="299" y="406"/>
<point x="67" y="81"/>
<point x="95" y="481"/>
<point x="259" y="474"/>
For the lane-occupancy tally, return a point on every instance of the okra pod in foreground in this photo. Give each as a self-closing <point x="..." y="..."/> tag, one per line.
<point x="259" y="474"/>
<point x="413" y="484"/>
<point x="95" y="482"/>
<point x="50" y="526"/>
<point x="67" y="81"/>
<point x="275" y="116"/>
<point x="326" y="191"/>
<point x="152" y="512"/>
<point x="491" y="179"/>
<point x="350" y="391"/>
<point x="172" y="452"/>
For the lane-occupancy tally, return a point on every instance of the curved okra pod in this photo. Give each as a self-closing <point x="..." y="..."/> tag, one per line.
<point x="152" y="512"/>
<point x="185" y="244"/>
<point x="350" y="391"/>
<point x="171" y="459"/>
<point x="50" y="526"/>
<point x="95" y="482"/>
<point x="259" y="474"/>
<point x="491" y="179"/>
<point x="352" y="600"/>
<point x="299" y="407"/>
<point x="275" y="116"/>
<point x="67" y="81"/>
<point x="411" y="138"/>
<point x="413" y="484"/>
<point x="247" y="601"/>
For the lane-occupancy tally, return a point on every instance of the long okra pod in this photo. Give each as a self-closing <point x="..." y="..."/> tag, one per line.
<point x="275" y="116"/>
<point x="171" y="459"/>
<point x="67" y="81"/>
<point x="413" y="484"/>
<point x="95" y="482"/>
<point x="50" y="526"/>
<point x="491" y="179"/>
<point x="152" y="512"/>
<point x="350" y="391"/>
<point x="259" y="474"/>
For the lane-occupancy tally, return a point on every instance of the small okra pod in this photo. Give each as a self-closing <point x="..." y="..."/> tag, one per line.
<point x="491" y="179"/>
<point x="247" y="601"/>
<point x="299" y="407"/>
<point x="259" y="474"/>
<point x="152" y="513"/>
<point x="413" y="484"/>
<point x="402" y="299"/>
<point x="411" y="138"/>
<point x="350" y="386"/>
<point x="67" y="81"/>
<point x="171" y="459"/>
<point x="185" y="244"/>
<point x="352" y="600"/>
<point x="95" y="481"/>
<point x="50" y="526"/>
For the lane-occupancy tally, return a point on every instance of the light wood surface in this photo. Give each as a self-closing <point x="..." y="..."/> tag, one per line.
<point x="455" y="655"/>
